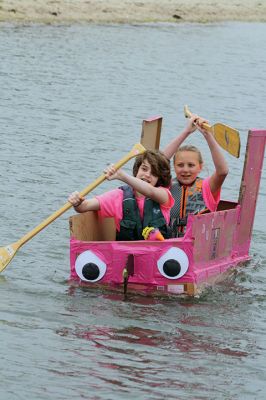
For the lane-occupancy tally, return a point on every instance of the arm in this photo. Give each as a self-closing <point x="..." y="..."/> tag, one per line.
<point x="173" y="146"/>
<point x="81" y="205"/>
<point x="157" y="194"/>
<point x="221" y="167"/>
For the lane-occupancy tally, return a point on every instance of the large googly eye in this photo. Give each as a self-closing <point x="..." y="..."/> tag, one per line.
<point x="173" y="264"/>
<point x="89" y="267"/>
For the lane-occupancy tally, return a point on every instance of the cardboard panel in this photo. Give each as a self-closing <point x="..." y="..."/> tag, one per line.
<point x="89" y="227"/>
<point x="214" y="236"/>
<point x="151" y="133"/>
<point x="250" y="184"/>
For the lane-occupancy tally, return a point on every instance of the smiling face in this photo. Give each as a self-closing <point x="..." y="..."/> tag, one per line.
<point x="187" y="166"/>
<point x="145" y="173"/>
<point x="153" y="167"/>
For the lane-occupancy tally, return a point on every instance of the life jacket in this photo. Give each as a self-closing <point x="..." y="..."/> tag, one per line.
<point x="131" y="225"/>
<point x="188" y="200"/>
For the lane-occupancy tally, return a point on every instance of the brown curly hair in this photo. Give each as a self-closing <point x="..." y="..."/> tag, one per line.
<point x="160" y="166"/>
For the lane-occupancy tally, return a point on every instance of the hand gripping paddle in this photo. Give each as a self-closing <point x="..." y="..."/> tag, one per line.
<point x="227" y="137"/>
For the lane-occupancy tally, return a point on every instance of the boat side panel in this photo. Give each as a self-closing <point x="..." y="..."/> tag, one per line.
<point x="215" y="248"/>
<point x="145" y="255"/>
<point x="250" y="188"/>
<point x="213" y="236"/>
<point x="89" y="226"/>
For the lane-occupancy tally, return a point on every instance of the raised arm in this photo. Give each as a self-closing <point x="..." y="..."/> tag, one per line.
<point x="220" y="164"/>
<point x="157" y="194"/>
<point x="173" y="146"/>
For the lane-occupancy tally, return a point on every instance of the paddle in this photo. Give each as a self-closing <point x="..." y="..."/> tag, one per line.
<point x="227" y="137"/>
<point x="8" y="252"/>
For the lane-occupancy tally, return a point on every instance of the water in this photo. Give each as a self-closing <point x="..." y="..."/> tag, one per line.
<point x="72" y="100"/>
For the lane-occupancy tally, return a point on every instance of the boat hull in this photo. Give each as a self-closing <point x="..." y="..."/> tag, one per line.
<point x="213" y="244"/>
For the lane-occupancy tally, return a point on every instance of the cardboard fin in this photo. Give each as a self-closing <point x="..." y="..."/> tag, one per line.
<point x="151" y="133"/>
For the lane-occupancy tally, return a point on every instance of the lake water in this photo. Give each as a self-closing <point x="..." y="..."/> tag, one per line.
<point x="72" y="100"/>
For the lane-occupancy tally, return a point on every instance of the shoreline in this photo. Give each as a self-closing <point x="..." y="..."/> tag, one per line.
<point x="130" y="12"/>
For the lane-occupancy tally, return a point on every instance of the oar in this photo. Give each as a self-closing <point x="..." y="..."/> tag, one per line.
<point x="227" y="137"/>
<point x="8" y="252"/>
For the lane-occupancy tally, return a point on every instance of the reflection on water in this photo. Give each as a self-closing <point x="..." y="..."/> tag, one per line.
<point x="180" y="340"/>
<point x="162" y="346"/>
<point x="72" y="100"/>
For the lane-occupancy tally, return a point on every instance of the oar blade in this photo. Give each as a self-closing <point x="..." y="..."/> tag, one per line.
<point x="6" y="255"/>
<point x="228" y="138"/>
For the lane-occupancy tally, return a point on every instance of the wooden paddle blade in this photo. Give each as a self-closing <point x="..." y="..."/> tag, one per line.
<point x="187" y="112"/>
<point x="228" y="138"/>
<point x="6" y="255"/>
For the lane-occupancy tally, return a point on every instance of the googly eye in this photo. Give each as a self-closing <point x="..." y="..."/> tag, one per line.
<point x="89" y="267"/>
<point x="173" y="264"/>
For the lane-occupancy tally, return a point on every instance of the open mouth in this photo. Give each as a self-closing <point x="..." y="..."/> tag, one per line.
<point x="145" y="180"/>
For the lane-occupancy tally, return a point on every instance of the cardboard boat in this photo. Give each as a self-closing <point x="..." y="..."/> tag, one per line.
<point x="213" y="243"/>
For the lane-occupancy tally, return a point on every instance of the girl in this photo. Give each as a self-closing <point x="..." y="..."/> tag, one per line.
<point x="192" y="194"/>
<point x="145" y="200"/>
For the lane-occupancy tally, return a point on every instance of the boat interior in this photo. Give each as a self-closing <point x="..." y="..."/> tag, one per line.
<point x="90" y="227"/>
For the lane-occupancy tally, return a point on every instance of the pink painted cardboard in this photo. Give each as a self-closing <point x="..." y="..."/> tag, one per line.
<point x="213" y="243"/>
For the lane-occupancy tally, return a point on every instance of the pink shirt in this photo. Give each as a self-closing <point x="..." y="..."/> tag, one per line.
<point x="210" y="200"/>
<point x="111" y="205"/>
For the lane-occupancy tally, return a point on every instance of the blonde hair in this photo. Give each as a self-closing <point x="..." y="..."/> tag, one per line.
<point x="189" y="148"/>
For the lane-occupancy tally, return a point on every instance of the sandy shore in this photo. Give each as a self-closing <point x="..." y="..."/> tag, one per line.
<point x="131" y="11"/>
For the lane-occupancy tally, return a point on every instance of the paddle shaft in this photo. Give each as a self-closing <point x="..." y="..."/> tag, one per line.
<point x="206" y="126"/>
<point x="136" y="150"/>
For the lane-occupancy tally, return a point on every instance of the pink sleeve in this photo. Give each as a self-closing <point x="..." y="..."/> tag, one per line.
<point x="170" y="201"/>
<point x="165" y="208"/>
<point x="111" y="205"/>
<point x="210" y="200"/>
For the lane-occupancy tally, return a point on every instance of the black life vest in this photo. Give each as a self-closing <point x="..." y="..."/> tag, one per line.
<point x="188" y="200"/>
<point x="131" y="225"/>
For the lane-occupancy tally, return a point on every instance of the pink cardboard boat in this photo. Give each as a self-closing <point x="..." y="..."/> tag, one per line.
<point x="213" y="243"/>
